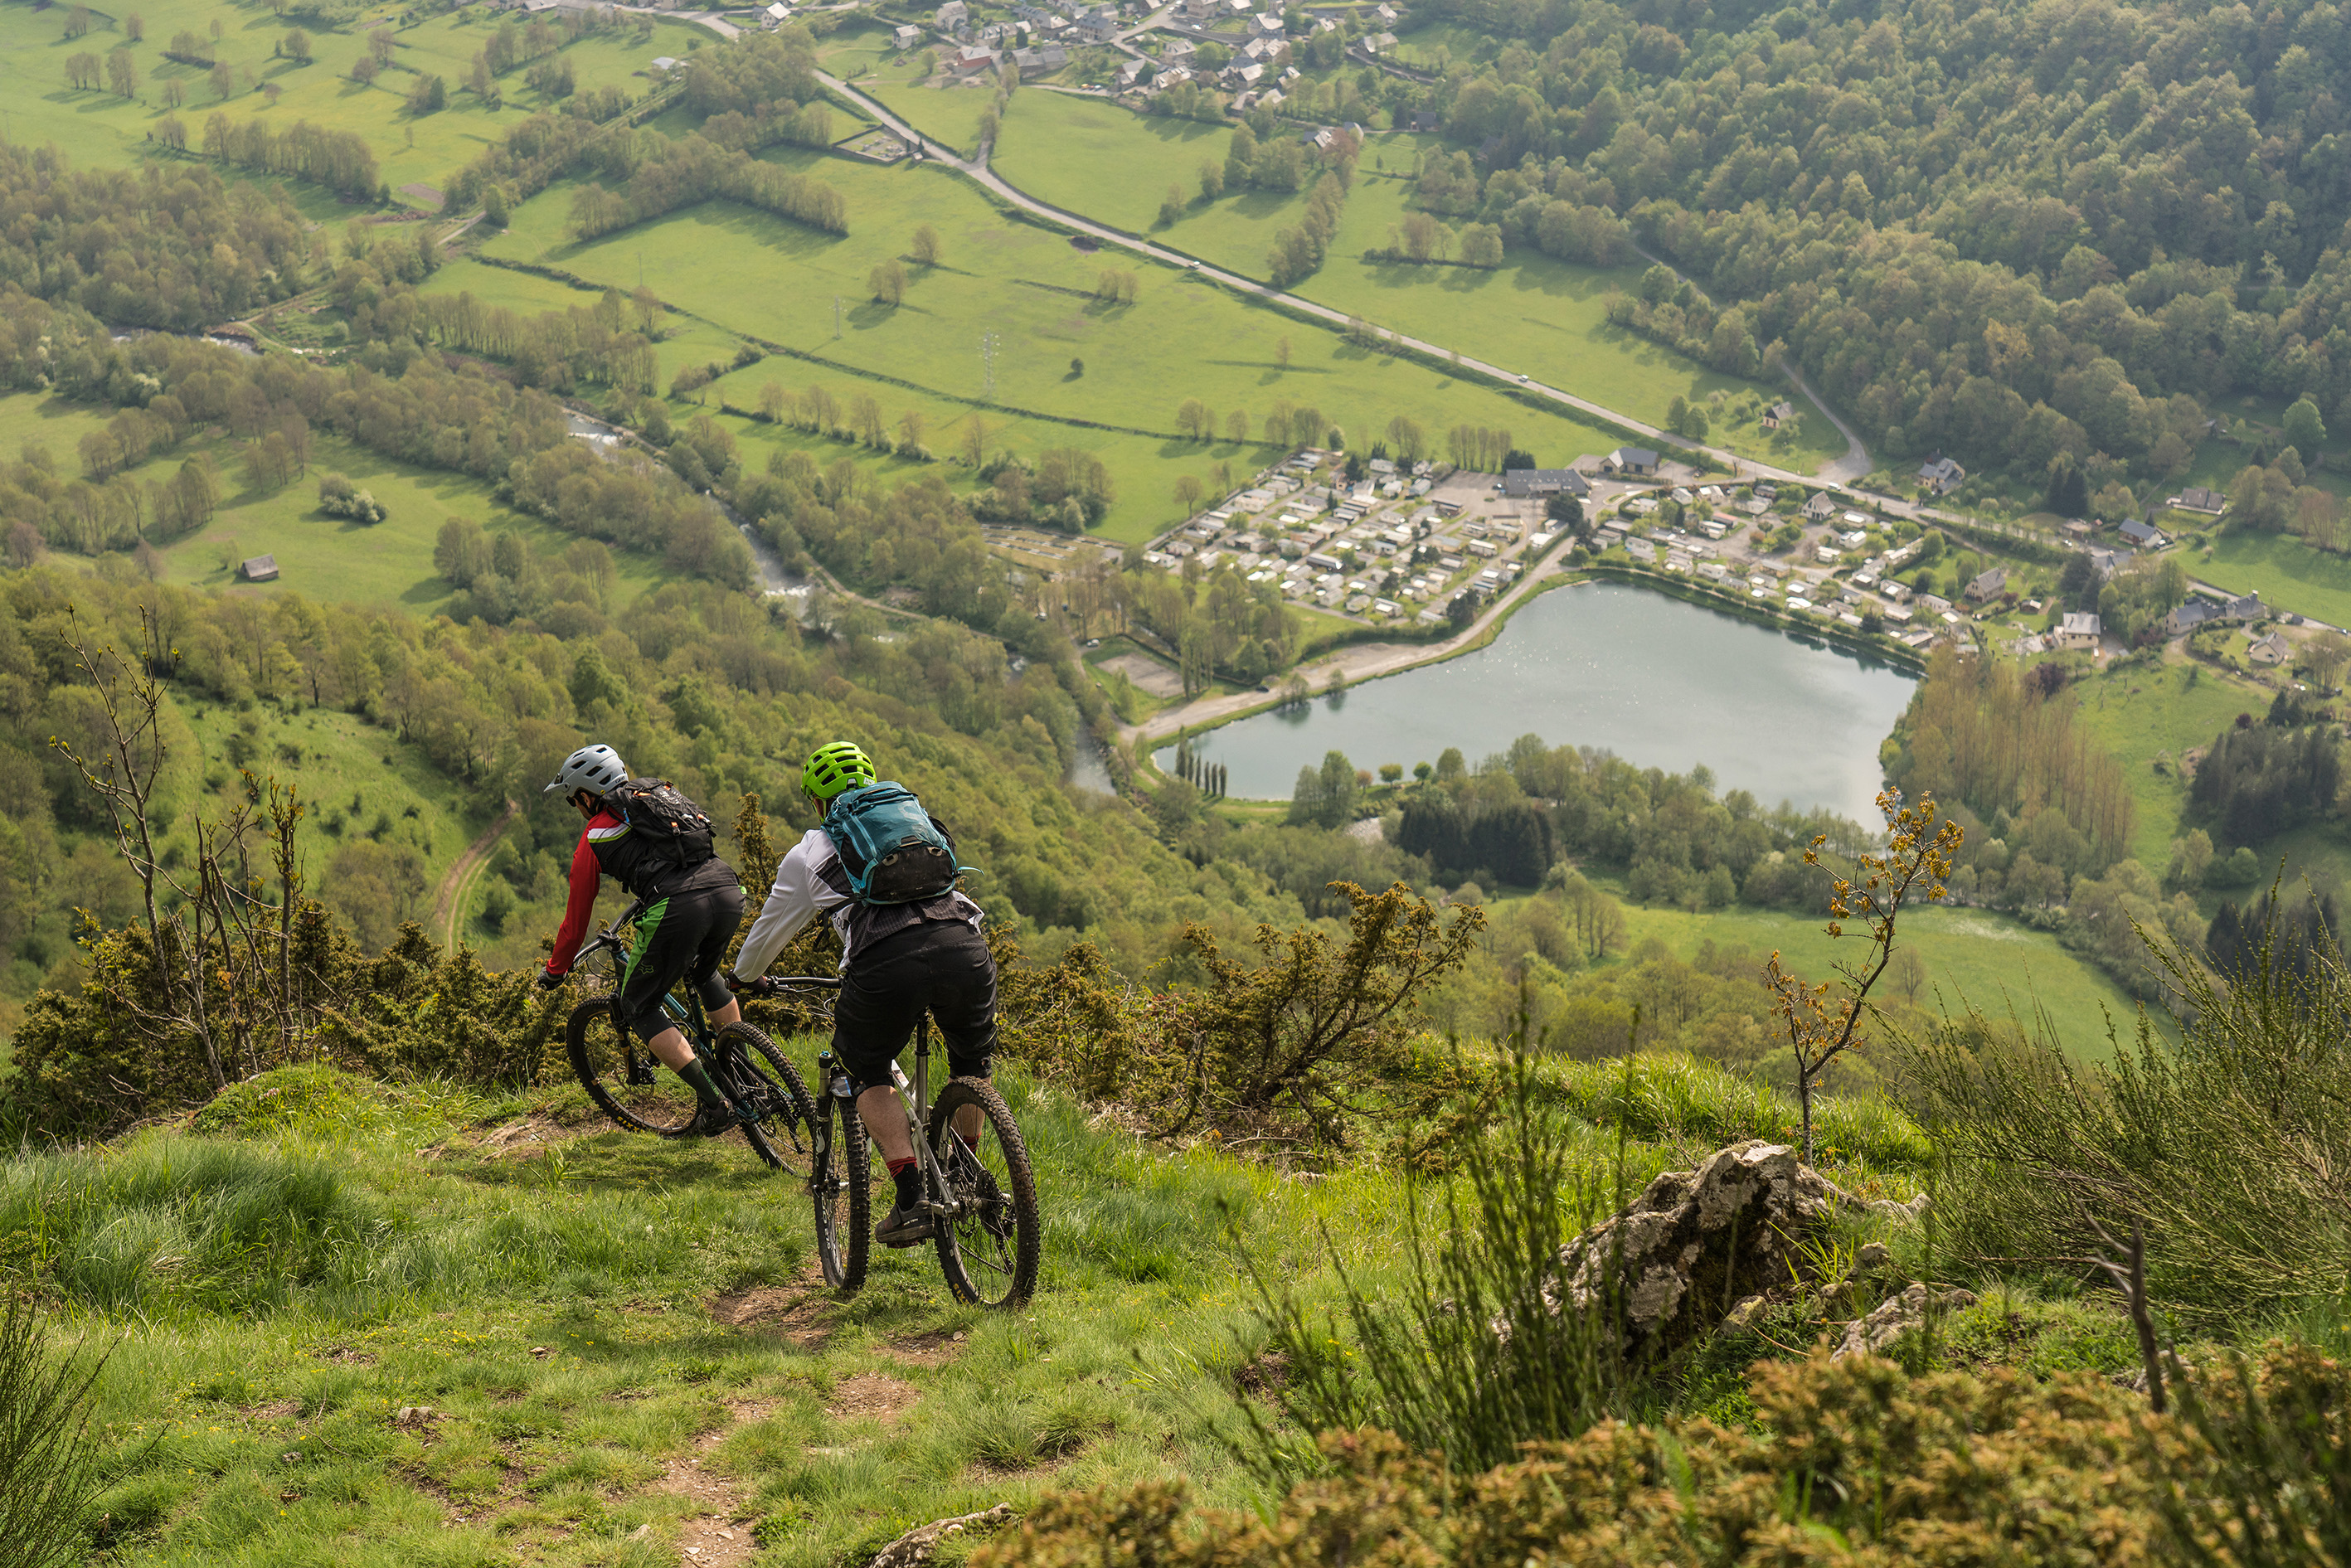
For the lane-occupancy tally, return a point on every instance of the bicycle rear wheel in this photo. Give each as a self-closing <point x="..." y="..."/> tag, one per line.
<point x="765" y="1082"/>
<point x="988" y="1251"/>
<point x="621" y="1076"/>
<point x="842" y="1182"/>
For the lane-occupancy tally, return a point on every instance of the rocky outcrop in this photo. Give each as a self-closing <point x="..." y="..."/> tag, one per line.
<point x="920" y="1545"/>
<point x="1698" y="1243"/>
<point x="1875" y="1334"/>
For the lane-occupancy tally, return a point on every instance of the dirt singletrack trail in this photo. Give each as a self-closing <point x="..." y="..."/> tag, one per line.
<point x="450" y="894"/>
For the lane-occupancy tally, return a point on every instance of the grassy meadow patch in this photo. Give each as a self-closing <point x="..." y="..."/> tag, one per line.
<point x="1975" y="957"/>
<point x="2141" y="715"/>
<point x="2287" y="573"/>
<point x="403" y="1324"/>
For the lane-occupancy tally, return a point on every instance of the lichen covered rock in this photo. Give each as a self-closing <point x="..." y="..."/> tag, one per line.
<point x="1695" y="1243"/>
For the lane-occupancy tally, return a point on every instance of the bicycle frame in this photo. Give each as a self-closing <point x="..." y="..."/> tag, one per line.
<point x="938" y="1202"/>
<point x="692" y="1022"/>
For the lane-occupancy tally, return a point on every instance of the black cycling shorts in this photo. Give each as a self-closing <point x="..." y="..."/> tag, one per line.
<point x="941" y="968"/>
<point x="682" y="936"/>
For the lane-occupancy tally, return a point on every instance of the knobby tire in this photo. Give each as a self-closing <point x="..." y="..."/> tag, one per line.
<point x="841" y="1183"/>
<point x="990" y="1252"/>
<point x="600" y="1046"/>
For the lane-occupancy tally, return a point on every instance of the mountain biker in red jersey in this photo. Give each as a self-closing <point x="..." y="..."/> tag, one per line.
<point x="693" y="902"/>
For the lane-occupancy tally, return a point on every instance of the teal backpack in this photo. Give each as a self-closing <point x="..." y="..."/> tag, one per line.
<point x="893" y="852"/>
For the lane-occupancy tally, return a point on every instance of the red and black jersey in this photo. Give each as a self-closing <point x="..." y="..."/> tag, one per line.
<point x="608" y="847"/>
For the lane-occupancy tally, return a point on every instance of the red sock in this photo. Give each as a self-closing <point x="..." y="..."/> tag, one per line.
<point x="908" y="1175"/>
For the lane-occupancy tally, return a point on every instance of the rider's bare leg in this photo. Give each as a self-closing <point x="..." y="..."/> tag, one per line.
<point x="670" y="1044"/>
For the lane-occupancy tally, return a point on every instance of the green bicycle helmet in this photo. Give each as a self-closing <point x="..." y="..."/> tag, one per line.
<point x="834" y="767"/>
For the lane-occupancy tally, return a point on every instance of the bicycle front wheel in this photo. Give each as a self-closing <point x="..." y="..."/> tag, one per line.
<point x="842" y="1182"/>
<point x="621" y="1076"/>
<point x="766" y="1083"/>
<point x="988" y="1251"/>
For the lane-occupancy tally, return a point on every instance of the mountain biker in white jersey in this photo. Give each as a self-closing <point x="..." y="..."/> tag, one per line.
<point x="898" y="961"/>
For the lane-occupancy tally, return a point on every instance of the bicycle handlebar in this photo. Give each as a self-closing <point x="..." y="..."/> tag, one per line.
<point x="777" y="985"/>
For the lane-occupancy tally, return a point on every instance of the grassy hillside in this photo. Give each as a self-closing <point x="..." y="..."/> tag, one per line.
<point x="1974" y="958"/>
<point x="492" y="1328"/>
<point x="2285" y="572"/>
<point x="2138" y="714"/>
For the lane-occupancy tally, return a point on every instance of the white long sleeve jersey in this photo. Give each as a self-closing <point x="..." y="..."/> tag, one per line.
<point x="810" y="881"/>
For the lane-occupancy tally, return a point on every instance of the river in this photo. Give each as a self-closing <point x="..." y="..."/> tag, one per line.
<point x="1658" y="681"/>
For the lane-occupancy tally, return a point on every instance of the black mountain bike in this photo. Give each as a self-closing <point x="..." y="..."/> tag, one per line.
<point x="978" y="1186"/>
<point x="622" y="1075"/>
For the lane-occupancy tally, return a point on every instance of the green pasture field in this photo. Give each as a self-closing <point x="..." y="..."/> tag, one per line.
<point x="98" y="127"/>
<point x="324" y="558"/>
<point x="760" y="275"/>
<point x="1535" y="315"/>
<point x="1975" y="957"/>
<point x="53" y="424"/>
<point x="853" y="51"/>
<point x="1139" y="465"/>
<point x="1142" y="468"/>
<point x="1544" y="318"/>
<point x="2288" y="573"/>
<point x="1445" y="42"/>
<point x="948" y="115"/>
<point x="2137" y="713"/>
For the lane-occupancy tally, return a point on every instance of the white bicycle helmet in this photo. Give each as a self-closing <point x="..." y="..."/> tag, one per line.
<point x="595" y="769"/>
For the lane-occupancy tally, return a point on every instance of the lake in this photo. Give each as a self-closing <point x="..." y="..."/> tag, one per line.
<point x="1659" y="682"/>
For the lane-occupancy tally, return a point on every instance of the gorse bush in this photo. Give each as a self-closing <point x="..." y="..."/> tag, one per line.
<point x="1292" y="1048"/>
<point x="2278" y="1431"/>
<point x="2228" y="1145"/>
<point x="1850" y="1462"/>
<point x="45" y="1451"/>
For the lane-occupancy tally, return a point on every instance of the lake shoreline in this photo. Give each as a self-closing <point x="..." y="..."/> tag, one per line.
<point x="1631" y="670"/>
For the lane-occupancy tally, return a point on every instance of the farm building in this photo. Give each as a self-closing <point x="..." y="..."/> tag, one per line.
<point x="259" y="569"/>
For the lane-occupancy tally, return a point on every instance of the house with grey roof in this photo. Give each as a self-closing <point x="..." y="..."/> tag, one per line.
<point x="1521" y="483"/>
<point x="1941" y="475"/>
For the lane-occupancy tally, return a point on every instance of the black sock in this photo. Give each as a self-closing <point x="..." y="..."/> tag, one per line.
<point x="697" y="1078"/>
<point x="908" y="1175"/>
